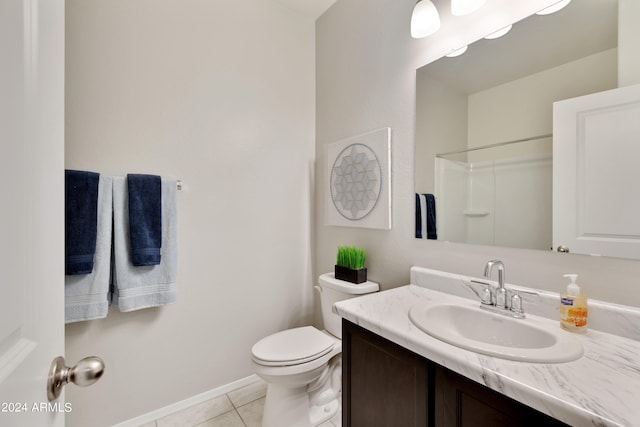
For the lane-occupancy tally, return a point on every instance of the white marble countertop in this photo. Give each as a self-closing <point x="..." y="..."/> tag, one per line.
<point x="601" y="388"/>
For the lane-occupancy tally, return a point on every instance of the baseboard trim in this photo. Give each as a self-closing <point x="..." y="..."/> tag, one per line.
<point x="187" y="403"/>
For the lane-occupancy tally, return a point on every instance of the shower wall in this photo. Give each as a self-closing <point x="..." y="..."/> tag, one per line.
<point x="504" y="202"/>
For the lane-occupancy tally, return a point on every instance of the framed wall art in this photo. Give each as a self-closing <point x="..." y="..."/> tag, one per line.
<point x="358" y="190"/>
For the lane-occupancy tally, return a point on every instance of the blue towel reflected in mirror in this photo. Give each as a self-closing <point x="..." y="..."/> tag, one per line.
<point x="426" y="217"/>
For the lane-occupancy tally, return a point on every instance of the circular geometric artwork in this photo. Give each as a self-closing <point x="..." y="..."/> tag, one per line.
<point x="356" y="181"/>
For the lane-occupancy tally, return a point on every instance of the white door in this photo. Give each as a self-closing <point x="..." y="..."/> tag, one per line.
<point x="596" y="173"/>
<point x="32" y="214"/>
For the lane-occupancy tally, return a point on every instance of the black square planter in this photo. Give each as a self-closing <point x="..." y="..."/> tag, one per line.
<point x="350" y="275"/>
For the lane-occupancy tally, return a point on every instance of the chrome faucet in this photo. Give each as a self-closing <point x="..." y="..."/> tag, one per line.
<point x="501" y="293"/>
<point x="498" y="300"/>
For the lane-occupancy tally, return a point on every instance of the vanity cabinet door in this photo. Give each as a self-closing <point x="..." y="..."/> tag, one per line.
<point x="383" y="384"/>
<point x="461" y="402"/>
<point x="386" y="385"/>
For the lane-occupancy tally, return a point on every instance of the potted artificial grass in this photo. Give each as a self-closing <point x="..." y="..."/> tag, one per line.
<point x="350" y="264"/>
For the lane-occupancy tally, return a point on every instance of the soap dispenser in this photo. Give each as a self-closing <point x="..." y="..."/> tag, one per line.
<point x="573" y="307"/>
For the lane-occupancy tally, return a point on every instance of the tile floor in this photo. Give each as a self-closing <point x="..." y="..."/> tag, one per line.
<point x="238" y="408"/>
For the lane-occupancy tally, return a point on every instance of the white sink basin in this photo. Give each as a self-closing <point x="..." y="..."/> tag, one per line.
<point x="471" y="328"/>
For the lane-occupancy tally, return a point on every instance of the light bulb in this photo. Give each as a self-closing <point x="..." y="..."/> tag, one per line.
<point x="425" y="19"/>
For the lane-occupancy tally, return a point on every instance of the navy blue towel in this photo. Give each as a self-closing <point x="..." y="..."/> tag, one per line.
<point x="145" y="218"/>
<point x="431" y="217"/>
<point x="426" y="216"/>
<point x="418" y="218"/>
<point x="80" y="220"/>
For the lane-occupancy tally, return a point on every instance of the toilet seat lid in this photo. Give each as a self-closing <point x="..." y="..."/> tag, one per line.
<point x="292" y="347"/>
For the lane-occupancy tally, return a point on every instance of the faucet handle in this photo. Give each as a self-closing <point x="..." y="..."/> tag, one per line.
<point x="516" y="303"/>
<point x="485" y="296"/>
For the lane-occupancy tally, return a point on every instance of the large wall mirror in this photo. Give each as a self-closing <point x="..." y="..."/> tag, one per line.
<point x="484" y="123"/>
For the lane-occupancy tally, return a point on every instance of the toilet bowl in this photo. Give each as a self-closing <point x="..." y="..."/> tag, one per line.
<point x="303" y="366"/>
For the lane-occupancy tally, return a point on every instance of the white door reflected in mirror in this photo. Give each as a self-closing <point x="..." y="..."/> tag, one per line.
<point x="596" y="201"/>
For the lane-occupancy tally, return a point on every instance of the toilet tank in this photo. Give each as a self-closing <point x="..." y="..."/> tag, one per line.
<point x="333" y="290"/>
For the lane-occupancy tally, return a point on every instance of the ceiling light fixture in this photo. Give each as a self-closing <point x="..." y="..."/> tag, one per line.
<point x="425" y="19"/>
<point x="465" y="7"/>
<point x="457" y="52"/>
<point x="554" y="7"/>
<point x="501" y="32"/>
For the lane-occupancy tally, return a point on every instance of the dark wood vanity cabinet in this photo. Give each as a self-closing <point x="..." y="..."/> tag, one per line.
<point x="386" y="385"/>
<point x="462" y="402"/>
<point x="383" y="384"/>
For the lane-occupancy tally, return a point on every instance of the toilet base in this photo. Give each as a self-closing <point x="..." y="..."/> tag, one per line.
<point x="306" y="405"/>
<point x="329" y="412"/>
<point x="286" y="406"/>
<point x="290" y="407"/>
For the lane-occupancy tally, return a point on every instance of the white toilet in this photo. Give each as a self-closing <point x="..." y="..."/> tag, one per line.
<point x="303" y="366"/>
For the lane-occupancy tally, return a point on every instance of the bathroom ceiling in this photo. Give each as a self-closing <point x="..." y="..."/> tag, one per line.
<point x="538" y="43"/>
<point x="311" y="8"/>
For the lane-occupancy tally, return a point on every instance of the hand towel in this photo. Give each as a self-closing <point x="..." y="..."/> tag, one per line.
<point x="145" y="218"/>
<point x="81" y="206"/>
<point x="87" y="295"/>
<point x="134" y="287"/>
<point x="426" y="217"/>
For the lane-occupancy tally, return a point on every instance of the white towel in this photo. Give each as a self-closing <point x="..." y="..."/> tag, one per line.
<point x="134" y="288"/>
<point x="87" y="295"/>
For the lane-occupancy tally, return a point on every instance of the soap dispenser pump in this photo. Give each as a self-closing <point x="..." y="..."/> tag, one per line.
<point x="573" y="307"/>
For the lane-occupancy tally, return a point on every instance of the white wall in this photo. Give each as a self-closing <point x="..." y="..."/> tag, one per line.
<point x="366" y="62"/>
<point x="523" y="108"/>
<point x="628" y="39"/>
<point x="441" y="126"/>
<point x="221" y="95"/>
